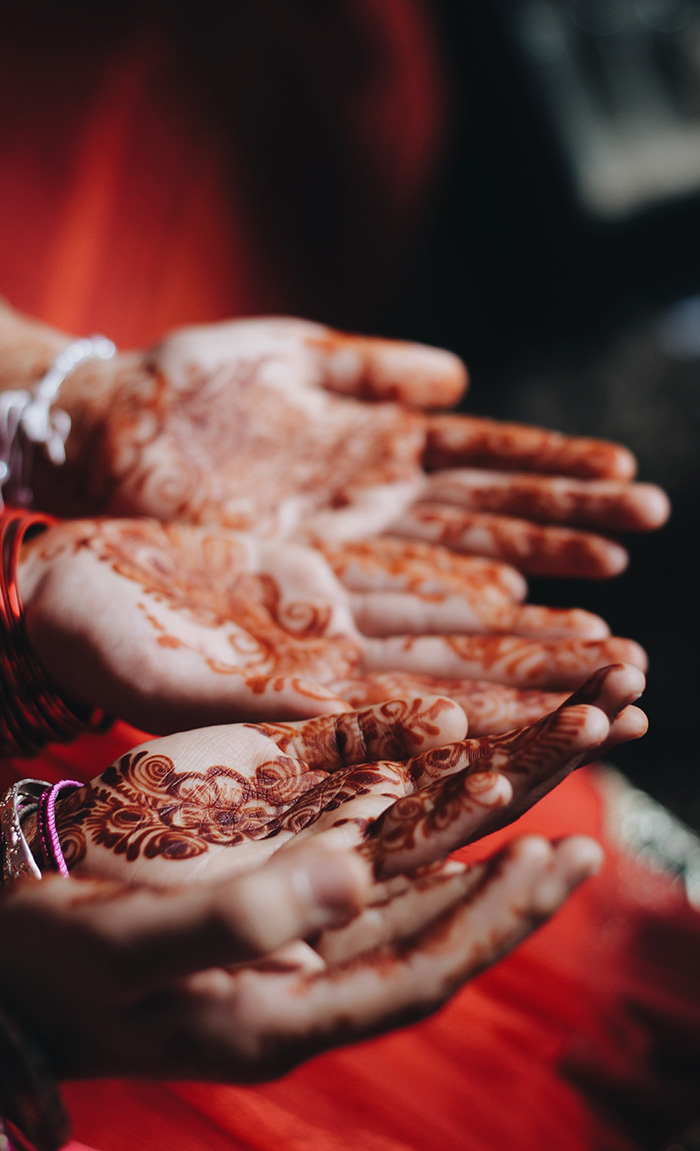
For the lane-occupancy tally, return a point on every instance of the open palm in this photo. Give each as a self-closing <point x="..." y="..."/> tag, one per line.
<point x="175" y="625"/>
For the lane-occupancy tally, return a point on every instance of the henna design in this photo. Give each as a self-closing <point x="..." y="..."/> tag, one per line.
<point x="210" y="447"/>
<point x="491" y="708"/>
<point x="526" y="752"/>
<point x="424" y="569"/>
<point x="536" y="549"/>
<point x="336" y="789"/>
<point x="388" y="730"/>
<point x="142" y="805"/>
<point x="428" y="814"/>
<point x="606" y="504"/>
<point x="458" y="441"/>
<point x="510" y="660"/>
<point x="205" y="576"/>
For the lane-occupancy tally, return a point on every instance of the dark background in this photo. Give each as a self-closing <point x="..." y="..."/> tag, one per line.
<point x="560" y="315"/>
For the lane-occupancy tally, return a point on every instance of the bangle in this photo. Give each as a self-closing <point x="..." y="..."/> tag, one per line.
<point x="20" y="801"/>
<point x="32" y="712"/>
<point x="29" y="1098"/>
<point x="27" y="417"/>
<point x="17" y="859"/>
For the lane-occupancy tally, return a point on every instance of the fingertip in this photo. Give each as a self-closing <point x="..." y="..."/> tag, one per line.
<point x="612" y="558"/>
<point x="580" y="856"/>
<point x="653" y="506"/>
<point x="453" y="720"/>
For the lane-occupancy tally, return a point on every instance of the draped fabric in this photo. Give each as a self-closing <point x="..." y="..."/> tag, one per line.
<point x="135" y="196"/>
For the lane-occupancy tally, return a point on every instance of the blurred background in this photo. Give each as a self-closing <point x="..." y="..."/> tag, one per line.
<point x="518" y="180"/>
<point x="565" y="267"/>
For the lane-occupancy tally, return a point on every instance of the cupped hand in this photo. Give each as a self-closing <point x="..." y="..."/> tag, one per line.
<point x="216" y="981"/>
<point x="287" y="428"/>
<point x="397" y="780"/>
<point x="175" y="625"/>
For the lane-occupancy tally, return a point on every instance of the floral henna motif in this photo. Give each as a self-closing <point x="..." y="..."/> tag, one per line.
<point x="514" y="661"/>
<point x="336" y="789"/>
<point x="204" y="576"/>
<point x="143" y="806"/>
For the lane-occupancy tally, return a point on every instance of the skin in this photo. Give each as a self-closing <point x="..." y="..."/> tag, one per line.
<point x="172" y="625"/>
<point x="398" y="780"/>
<point x="290" y="429"/>
<point x="217" y="979"/>
<point x="217" y="983"/>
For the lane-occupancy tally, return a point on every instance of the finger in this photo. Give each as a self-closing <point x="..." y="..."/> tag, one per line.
<point x="201" y="692"/>
<point x="611" y="688"/>
<point x="400" y="613"/>
<point x="376" y="369"/>
<point x="630" y="724"/>
<point x="608" y="505"/>
<point x="472" y="787"/>
<point x="383" y="565"/>
<point x="405" y="981"/>
<point x="516" y="662"/>
<point x="391" y="730"/>
<point x="491" y="708"/>
<point x="144" y="938"/>
<point x="396" y="915"/>
<point x="338" y="810"/>
<point x="534" y="548"/>
<point x="459" y="441"/>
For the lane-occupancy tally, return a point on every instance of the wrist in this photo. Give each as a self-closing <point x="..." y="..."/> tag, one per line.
<point x="28" y="350"/>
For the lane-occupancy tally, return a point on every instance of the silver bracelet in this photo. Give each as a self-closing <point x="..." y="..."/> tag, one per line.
<point x="17" y="859"/>
<point x="29" y="416"/>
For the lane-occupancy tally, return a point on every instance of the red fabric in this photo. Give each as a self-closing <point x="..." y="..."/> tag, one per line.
<point x="588" y="1037"/>
<point x="127" y="205"/>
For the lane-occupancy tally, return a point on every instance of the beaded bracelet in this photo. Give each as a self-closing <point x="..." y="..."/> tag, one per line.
<point x="32" y="712"/>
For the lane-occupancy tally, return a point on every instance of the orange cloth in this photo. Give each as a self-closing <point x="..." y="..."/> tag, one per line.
<point x="126" y="207"/>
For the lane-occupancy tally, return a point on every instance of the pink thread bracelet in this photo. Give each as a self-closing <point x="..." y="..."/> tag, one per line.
<point x="46" y="826"/>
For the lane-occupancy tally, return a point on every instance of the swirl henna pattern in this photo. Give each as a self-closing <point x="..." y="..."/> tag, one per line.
<point x="223" y="625"/>
<point x="189" y="797"/>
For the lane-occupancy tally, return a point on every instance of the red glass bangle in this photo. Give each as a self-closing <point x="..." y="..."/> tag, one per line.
<point x="33" y="711"/>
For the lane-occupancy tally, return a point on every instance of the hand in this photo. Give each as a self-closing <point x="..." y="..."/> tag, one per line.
<point x="397" y="780"/>
<point x="172" y="626"/>
<point x="196" y="980"/>
<point x="215" y="981"/>
<point x="287" y="428"/>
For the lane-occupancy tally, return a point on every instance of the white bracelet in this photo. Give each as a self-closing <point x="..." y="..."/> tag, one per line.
<point x="28" y="415"/>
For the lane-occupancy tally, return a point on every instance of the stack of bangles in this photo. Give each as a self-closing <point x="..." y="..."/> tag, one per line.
<point x="32" y="714"/>
<point x="32" y="711"/>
